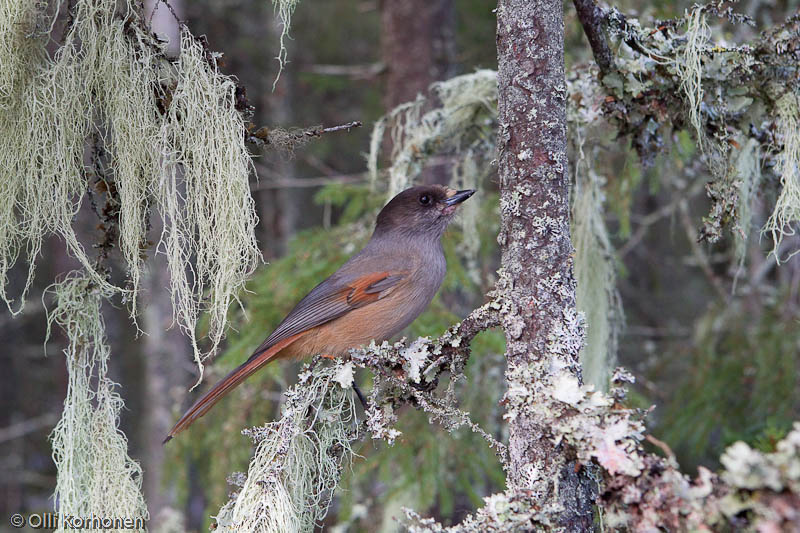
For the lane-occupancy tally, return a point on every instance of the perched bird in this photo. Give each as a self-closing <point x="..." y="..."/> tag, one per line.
<point x="375" y="294"/>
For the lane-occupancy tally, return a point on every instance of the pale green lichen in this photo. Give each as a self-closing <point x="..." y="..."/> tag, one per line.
<point x="746" y="468"/>
<point x="690" y="67"/>
<point x="204" y="194"/>
<point x="188" y="158"/>
<point x="20" y="46"/>
<point x="787" y="209"/>
<point x="464" y="119"/>
<point x="158" y="133"/>
<point x="298" y="459"/>
<point x="285" y="10"/>
<point x="595" y="270"/>
<point x="748" y="175"/>
<point x="95" y="475"/>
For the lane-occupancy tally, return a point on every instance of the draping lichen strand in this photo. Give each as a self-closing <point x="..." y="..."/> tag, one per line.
<point x="786" y="215"/>
<point x="41" y="147"/>
<point x="284" y="9"/>
<point x="690" y="68"/>
<point x="175" y="139"/>
<point x="20" y="45"/>
<point x="459" y="117"/>
<point x="595" y="271"/>
<point x="747" y="172"/>
<point x="96" y="478"/>
<point x="204" y="196"/>
<point x="298" y="459"/>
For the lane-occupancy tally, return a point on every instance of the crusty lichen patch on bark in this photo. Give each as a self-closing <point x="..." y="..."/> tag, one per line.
<point x="544" y="331"/>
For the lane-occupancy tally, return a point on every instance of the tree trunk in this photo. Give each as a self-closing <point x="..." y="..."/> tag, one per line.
<point x="417" y="46"/>
<point x="418" y="49"/>
<point x="543" y="331"/>
<point x="278" y="209"/>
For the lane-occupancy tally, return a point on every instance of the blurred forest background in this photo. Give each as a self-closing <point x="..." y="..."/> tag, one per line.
<point x="714" y="343"/>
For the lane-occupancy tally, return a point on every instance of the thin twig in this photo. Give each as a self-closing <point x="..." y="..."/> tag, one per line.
<point x="318" y="131"/>
<point x="354" y="72"/>
<point x="291" y="138"/>
<point x="662" y="445"/>
<point x="700" y="255"/>
<point x="20" y="429"/>
<point x="651" y="218"/>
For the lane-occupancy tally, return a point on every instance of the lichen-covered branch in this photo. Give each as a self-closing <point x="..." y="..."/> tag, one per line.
<point x="299" y="458"/>
<point x="411" y="374"/>
<point x="675" y="75"/>
<point x="96" y="477"/>
<point x="289" y="140"/>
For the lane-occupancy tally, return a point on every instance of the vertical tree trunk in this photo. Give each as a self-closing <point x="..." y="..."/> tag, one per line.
<point x="417" y="46"/>
<point x="543" y="331"/>
<point x="418" y="49"/>
<point x="278" y="209"/>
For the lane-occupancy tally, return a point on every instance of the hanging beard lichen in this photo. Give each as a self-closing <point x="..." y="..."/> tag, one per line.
<point x="204" y="161"/>
<point x="596" y="293"/>
<point x="690" y="69"/>
<point x="595" y="271"/>
<point x="171" y="139"/>
<point x="298" y="459"/>
<point x="176" y="142"/>
<point x="462" y="119"/>
<point x="96" y="478"/>
<point x="748" y="175"/>
<point x="284" y="9"/>
<point x="787" y="208"/>
<point x="20" y="45"/>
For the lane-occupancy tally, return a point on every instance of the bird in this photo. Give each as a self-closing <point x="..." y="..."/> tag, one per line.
<point x="374" y="295"/>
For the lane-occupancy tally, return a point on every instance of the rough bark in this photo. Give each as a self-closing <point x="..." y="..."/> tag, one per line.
<point x="543" y="330"/>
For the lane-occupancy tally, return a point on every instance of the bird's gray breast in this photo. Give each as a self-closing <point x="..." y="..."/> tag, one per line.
<point x="427" y="268"/>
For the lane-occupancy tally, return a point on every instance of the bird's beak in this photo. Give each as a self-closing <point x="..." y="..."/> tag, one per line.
<point x="459" y="197"/>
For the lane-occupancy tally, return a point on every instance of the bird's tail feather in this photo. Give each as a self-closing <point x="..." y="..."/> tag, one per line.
<point x="228" y="383"/>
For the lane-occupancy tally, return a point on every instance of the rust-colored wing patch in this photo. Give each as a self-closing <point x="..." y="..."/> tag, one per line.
<point x="370" y="288"/>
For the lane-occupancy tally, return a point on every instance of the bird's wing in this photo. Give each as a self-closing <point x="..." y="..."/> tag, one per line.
<point x="329" y="300"/>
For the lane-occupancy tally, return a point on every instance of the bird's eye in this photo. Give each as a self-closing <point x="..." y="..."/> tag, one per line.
<point x="425" y="199"/>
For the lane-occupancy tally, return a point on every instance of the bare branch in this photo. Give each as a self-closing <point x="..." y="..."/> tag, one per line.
<point x="592" y="19"/>
<point x="292" y="138"/>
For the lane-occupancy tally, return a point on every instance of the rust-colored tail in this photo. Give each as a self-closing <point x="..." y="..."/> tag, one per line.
<point x="225" y="385"/>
